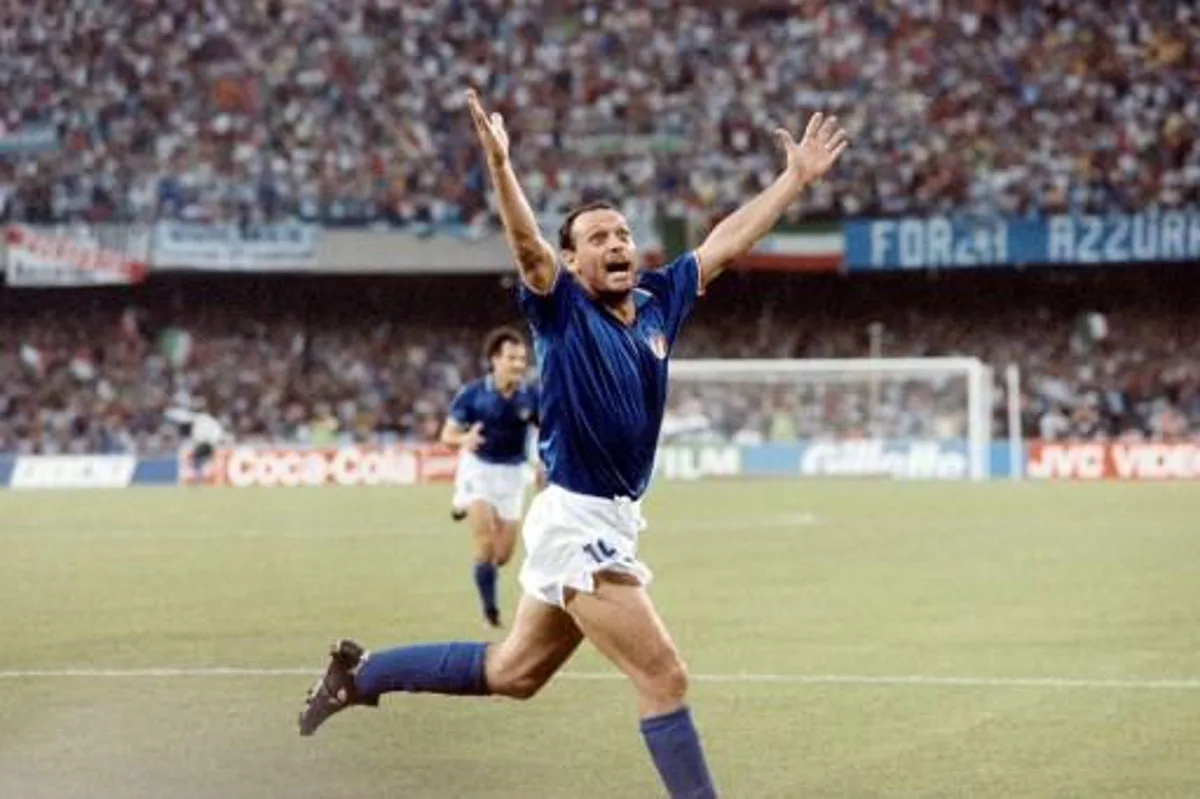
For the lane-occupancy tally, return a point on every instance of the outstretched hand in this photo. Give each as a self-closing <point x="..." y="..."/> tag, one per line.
<point x="490" y="129"/>
<point x="823" y="143"/>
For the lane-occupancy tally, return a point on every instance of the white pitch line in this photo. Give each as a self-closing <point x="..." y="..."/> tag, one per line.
<point x="924" y="679"/>
<point x="157" y="672"/>
<point x="1182" y="684"/>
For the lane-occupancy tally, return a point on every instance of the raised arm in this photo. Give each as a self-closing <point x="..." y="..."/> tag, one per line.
<point x="823" y="143"/>
<point x="533" y="254"/>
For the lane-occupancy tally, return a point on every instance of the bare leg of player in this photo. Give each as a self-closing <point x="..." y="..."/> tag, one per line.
<point x="621" y="621"/>
<point x="483" y="521"/>
<point x="485" y="527"/>
<point x="542" y="639"/>
<point x="505" y="542"/>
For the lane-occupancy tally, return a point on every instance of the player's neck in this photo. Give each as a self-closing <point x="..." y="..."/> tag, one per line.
<point x="506" y="389"/>
<point x="623" y="307"/>
<point x="620" y="305"/>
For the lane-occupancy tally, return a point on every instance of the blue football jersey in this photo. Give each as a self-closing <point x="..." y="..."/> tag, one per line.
<point x="604" y="383"/>
<point x="505" y="420"/>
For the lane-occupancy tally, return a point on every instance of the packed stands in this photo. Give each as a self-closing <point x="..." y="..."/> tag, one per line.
<point x="351" y="113"/>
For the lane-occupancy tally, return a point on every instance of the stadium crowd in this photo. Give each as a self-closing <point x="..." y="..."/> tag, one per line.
<point x="350" y="113"/>
<point x="319" y="361"/>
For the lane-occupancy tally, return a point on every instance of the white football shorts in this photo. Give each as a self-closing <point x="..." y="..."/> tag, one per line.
<point x="570" y="537"/>
<point x="501" y="485"/>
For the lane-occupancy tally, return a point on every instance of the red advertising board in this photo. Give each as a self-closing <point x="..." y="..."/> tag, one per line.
<point x="1086" y="460"/>
<point x="346" y="466"/>
<point x="41" y="258"/>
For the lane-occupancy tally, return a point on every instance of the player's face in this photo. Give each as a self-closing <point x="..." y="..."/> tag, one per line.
<point x="604" y="257"/>
<point x="509" y="364"/>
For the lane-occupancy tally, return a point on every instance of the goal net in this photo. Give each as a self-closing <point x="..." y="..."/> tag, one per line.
<point x="881" y="417"/>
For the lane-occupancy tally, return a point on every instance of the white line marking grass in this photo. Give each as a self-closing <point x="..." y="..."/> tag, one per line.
<point x="930" y="680"/>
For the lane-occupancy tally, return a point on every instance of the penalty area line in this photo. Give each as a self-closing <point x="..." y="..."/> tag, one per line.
<point x="930" y="680"/>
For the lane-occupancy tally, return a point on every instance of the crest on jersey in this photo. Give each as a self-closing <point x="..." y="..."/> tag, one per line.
<point x="658" y="345"/>
<point x="525" y="414"/>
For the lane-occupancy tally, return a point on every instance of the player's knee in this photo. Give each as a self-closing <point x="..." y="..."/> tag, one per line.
<point x="668" y="682"/>
<point x="523" y="688"/>
<point x="515" y="685"/>
<point x="502" y="551"/>
<point x="484" y="552"/>
<point x="508" y="674"/>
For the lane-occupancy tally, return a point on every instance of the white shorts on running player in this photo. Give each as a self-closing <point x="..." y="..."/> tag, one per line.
<point x="501" y="485"/>
<point x="570" y="537"/>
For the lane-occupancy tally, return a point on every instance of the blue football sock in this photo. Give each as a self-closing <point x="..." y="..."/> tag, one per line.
<point x="675" y="747"/>
<point x="450" y="668"/>
<point x="485" y="581"/>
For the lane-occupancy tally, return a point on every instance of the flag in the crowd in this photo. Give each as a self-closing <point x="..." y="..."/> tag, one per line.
<point x="176" y="344"/>
<point x="816" y="248"/>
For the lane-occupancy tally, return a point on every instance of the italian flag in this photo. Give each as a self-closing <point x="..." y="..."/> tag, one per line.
<point x="811" y="248"/>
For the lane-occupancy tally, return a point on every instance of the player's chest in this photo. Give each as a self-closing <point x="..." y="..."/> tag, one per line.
<point x="515" y="410"/>
<point x="639" y="349"/>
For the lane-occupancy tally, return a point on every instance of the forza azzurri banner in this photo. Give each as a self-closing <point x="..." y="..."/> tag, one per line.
<point x="957" y="243"/>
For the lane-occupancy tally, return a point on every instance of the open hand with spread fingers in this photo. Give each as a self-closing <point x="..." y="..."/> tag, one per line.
<point x="490" y="129"/>
<point x="823" y="143"/>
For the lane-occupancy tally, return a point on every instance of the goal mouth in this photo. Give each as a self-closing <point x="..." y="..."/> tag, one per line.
<point x="902" y="418"/>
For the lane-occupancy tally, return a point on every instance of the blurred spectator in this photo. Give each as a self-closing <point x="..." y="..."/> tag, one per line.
<point x="320" y="360"/>
<point x="351" y="113"/>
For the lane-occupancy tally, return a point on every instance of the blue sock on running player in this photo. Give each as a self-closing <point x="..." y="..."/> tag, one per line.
<point x="485" y="581"/>
<point x="455" y="667"/>
<point x="675" y="746"/>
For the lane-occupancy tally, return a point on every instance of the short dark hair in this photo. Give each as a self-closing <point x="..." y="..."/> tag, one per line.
<point x="494" y="342"/>
<point x="566" y="239"/>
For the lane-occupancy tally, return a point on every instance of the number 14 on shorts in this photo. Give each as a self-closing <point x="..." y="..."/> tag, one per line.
<point x="600" y="551"/>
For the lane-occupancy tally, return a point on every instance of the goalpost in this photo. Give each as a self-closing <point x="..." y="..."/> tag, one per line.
<point x="898" y="417"/>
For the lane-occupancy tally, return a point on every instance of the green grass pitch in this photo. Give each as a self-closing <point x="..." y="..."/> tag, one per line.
<point x="1072" y="613"/>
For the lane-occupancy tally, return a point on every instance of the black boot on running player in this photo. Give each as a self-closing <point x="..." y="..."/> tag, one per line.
<point x="335" y="691"/>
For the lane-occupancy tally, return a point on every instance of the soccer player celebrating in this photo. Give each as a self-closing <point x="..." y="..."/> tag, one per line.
<point x="489" y="423"/>
<point x="602" y="334"/>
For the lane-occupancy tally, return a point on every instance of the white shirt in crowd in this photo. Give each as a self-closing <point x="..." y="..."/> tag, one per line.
<point x="205" y="427"/>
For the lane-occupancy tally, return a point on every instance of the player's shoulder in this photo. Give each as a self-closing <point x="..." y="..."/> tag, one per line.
<point x="659" y="279"/>
<point x="472" y="388"/>
<point x="548" y="312"/>
<point x="563" y="286"/>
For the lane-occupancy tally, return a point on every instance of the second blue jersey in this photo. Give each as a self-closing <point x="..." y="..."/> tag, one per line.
<point x="505" y="419"/>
